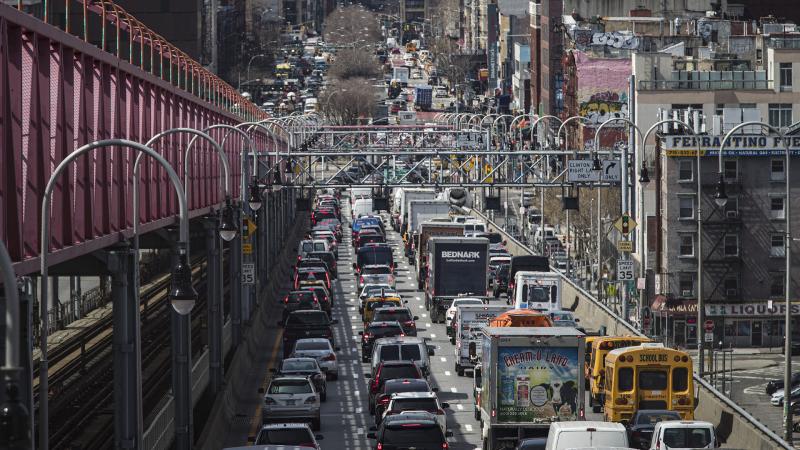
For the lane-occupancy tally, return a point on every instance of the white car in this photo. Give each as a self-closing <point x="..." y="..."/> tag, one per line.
<point x="683" y="435"/>
<point x="409" y="402"/>
<point x="441" y="92"/>
<point x="285" y="434"/>
<point x="451" y="311"/>
<point x="292" y="399"/>
<point x="321" y="350"/>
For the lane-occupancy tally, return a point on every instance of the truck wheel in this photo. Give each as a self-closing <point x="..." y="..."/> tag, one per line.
<point x="596" y="409"/>
<point x="419" y="285"/>
<point x="459" y="370"/>
<point x="477" y="414"/>
<point x="486" y="444"/>
<point x="453" y="340"/>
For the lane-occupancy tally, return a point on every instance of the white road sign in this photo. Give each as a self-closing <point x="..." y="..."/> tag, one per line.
<point x="625" y="270"/>
<point x="248" y="273"/>
<point x="580" y="171"/>
<point x="471" y="140"/>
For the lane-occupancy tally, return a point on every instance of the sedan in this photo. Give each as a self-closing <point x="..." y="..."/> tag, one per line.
<point x="641" y="425"/>
<point x="321" y="350"/>
<point x="292" y="398"/>
<point x="305" y="367"/>
<point x="288" y="434"/>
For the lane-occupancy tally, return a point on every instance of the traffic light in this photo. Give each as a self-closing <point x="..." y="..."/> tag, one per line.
<point x="626" y="224"/>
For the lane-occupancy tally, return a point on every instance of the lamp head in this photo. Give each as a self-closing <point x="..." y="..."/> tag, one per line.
<point x="14" y="419"/>
<point x="227" y="231"/>
<point x="181" y="293"/>
<point x="254" y="198"/>
<point x="597" y="166"/>
<point x="644" y="175"/>
<point x="720" y="197"/>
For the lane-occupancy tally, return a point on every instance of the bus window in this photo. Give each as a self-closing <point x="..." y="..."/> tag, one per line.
<point x="680" y="379"/>
<point x="625" y="379"/>
<point x="653" y="380"/>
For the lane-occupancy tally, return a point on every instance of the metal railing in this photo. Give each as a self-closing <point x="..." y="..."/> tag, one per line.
<point x="708" y="85"/>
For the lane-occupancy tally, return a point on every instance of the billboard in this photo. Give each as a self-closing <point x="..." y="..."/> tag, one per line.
<point x="536" y="383"/>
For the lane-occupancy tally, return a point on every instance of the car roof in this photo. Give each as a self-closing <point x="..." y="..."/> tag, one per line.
<point x="409" y="395"/>
<point x="399" y="362"/>
<point x="412" y="417"/>
<point x="684" y="424"/>
<point x="400" y="340"/>
<point x="394" y="308"/>
<point x="288" y="378"/>
<point x="277" y="426"/>
<point x="312" y="340"/>
<point x="583" y="425"/>
<point x="299" y="359"/>
<point x="308" y="311"/>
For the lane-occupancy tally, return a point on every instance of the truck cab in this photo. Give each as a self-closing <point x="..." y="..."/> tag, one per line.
<point x="540" y="291"/>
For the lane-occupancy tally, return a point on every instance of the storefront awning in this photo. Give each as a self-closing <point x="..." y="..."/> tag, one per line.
<point x="673" y="307"/>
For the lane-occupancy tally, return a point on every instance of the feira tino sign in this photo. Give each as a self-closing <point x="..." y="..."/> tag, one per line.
<point x="536" y="383"/>
<point x="741" y="145"/>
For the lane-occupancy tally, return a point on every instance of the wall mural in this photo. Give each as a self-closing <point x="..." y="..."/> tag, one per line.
<point x="602" y="87"/>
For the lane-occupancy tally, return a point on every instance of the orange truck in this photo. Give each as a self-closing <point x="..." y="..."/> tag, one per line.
<point x="521" y="318"/>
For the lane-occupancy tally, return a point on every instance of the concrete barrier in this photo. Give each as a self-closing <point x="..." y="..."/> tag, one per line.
<point x="736" y="428"/>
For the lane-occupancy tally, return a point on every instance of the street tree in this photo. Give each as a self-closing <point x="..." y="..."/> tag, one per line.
<point x="348" y="102"/>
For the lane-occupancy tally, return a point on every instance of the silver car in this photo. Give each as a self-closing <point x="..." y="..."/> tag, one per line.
<point x="321" y="350"/>
<point x="292" y="399"/>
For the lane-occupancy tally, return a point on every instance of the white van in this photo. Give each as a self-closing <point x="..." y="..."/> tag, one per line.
<point x="310" y="105"/>
<point x="568" y="435"/>
<point x="683" y="435"/>
<point x="543" y="233"/>
<point x="537" y="290"/>
<point x="362" y="207"/>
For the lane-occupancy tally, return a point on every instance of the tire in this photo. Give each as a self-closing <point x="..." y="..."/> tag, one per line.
<point x="459" y="370"/>
<point x="596" y="409"/>
<point x="453" y="340"/>
<point x="335" y="376"/>
<point x="323" y="397"/>
<point x="364" y="359"/>
<point x="315" y="424"/>
<point x="477" y="414"/>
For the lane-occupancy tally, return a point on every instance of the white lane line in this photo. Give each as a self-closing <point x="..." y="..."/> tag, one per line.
<point x="421" y="306"/>
<point x="433" y="336"/>
<point x="453" y="390"/>
<point x="424" y="315"/>
<point x="447" y="373"/>
<point x="468" y="427"/>
<point x="427" y="324"/>
<point x="460" y="407"/>
<point x="353" y="327"/>
<point x="443" y="359"/>
<point x="418" y="298"/>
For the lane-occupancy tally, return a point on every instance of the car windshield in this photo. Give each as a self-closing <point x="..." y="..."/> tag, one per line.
<point x="379" y="304"/>
<point x="654" y="418"/>
<point x="402" y="352"/>
<point x="313" y="345"/>
<point x="285" y="436"/>
<point x="400" y="315"/>
<point x="420" y="436"/>
<point x="306" y="319"/>
<point x="392" y="372"/>
<point x="299" y="365"/>
<point x="385" y="330"/>
<point x="374" y="255"/>
<point x="290" y="387"/>
<point x="307" y="246"/>
<point x="415" y="404"/>
<point x="378" y="270"/>
<point x="319" y="246"/>
<point x="687" y="437"/>
<point x="536" y="294"/>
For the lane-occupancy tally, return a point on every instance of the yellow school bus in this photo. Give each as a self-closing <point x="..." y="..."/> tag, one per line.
<point x="649" y="376"/>
<point x="597" y="364"/>
<point x="587" y="367"/>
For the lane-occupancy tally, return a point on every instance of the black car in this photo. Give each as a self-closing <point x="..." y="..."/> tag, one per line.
<point x="642" y="424"/>
<point x="306" y="324"/>
<point x="304" y="367"/>
<point x="417" y="430"/>
<point x="377" y="330"/>
<point x="401" y="314"/>
<point x="774" y="385"/>
<point x="329" y="259"/>
<point x="500" y="282"/>
<point x="297" y="300"/>
<point x="324" y="297"/>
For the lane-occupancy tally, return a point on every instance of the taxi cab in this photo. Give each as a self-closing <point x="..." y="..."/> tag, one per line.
<point x="374" y="303"/>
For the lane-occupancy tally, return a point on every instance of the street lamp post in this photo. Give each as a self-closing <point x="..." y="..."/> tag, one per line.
<point x="130" y="372"/>
<point x="239" y="86"/>
<point x="534" y="124"/>
<point x="721" y="199"/>
<point x="15" y="423"/>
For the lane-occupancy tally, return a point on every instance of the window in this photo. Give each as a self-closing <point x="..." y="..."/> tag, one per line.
<point x="686" y="284"/>
<point x="687" y="245"/>
<point x="777" y="211"/>
<point x="785" y="69"/>
<point x="680" y="379"/>
<point x="776" y="285"/>
<point x="625" y="381"/>
<point x="731" y="285"/>
<point x="777" y="249"/>
<point x="731" y="207"/>
<point x="780" y="114"/>
<point x="776" y="170"/>
<point x="730" y="169"/>
<point x="685" y="170"/>
<point x="685" y="207"/>
<point x="731" y="245"/>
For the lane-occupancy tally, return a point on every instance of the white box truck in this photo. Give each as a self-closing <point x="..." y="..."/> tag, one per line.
<point x="530" y="377"/>
<point x="468" y="323"/>
<point x="420" y="211"/>
<point x="537" y="290"/>
<point x="405" y="196"/>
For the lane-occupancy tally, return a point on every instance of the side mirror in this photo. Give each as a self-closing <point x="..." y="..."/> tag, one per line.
<point x="624" y="422"/>
<point x="505" y="242"/>
<point x="272" y="370"/>
<point x="338" y="349"/>
<point x="435" y="389"/>
<point x="279" y="323"/>
<point x="577" y="320"/>
<point x="367" y="376"/>
<point x="319" y="437"/>
<point x="360" y="333"/>
<point x="431" y="350"/>
<point x="415" y="317"/>
<point x="406" y="301"/>
<point x="354" y="266"/>
<point x="445" y="405"/>
<point x="449" y="434"/>
<point x="371" y="436"/>
<point x="260" y="390"/>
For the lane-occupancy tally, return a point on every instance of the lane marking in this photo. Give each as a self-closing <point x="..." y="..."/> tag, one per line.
<point x="433" y="336"/>
<point x="447" y="373"/>
<point x="453" y="390"/>
<point x="460" y="407"/>
<point x="443" y="359"/>
<point x="468" y="427"/>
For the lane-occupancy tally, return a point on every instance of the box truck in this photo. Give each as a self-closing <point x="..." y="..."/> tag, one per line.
<point x="456" y="266"/>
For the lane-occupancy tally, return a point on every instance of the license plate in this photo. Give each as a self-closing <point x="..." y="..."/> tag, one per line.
<point x="290" y="402"/>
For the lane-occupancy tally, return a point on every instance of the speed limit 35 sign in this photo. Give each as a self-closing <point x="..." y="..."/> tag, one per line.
<point x="625" y="270"/>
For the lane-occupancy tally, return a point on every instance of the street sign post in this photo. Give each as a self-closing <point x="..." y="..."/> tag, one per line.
<point x="625" y="270"/>
<point x="611" y="171"/>
<point x="708" y="325"/>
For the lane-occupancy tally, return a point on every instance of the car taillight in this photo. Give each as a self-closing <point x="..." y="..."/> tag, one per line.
<point x="384" y="401"/>
<point x="410" y="323"/>
<point x="444" y="445"/>
<point x="331" y="357"/>
<point x="361" y="279"/>
<point x="374" y="385"/>
<point x="286" y="299"/>
<point x="380" y="446"/>
<point x="366" y="336"/>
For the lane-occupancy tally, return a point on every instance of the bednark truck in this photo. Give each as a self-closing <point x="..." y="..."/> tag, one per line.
<point x="456" y="266"/>
<point x="531" y="377"/>
<point x="428" y="230"/>
<point x="469" y="321"/>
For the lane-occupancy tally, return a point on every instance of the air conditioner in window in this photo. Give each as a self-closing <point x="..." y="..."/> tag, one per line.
<point x="731" y="292"/>
<point x="686" y="293"/>
<point x="732" y="214"/>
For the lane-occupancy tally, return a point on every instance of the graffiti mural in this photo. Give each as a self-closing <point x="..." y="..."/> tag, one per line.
<point x="616" y="39"/>
<point x="602" y="87"/>
<point x="583" y="38"/>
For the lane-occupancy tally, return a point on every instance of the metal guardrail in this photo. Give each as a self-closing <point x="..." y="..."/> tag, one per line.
<point x="161" y="432"/>
<point x="706" y="85"/>
<point x="721" y="397"/>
